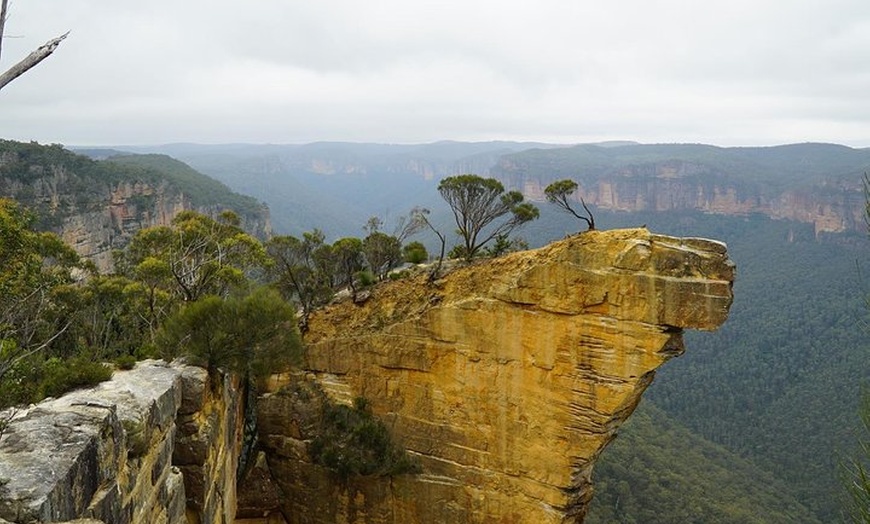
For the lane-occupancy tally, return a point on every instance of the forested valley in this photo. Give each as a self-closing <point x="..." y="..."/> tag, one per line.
<point x="750" y="425"/>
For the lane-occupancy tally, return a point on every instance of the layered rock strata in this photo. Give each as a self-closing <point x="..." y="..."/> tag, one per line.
<point x="126" y="451"/>
<point x="505" y="379"/>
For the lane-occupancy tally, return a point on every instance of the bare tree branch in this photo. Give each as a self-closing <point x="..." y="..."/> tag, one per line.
<point x="7" y="365"/>
<point x="43" y="52"/>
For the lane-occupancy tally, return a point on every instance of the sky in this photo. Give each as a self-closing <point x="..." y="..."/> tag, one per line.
<point x="735" y="72"/>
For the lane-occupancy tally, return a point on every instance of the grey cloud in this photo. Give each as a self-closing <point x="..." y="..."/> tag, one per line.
<point x="736" y="72"/>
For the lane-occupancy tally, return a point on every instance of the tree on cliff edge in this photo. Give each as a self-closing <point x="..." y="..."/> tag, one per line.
<point x="28" y="62"/>
<point x="557" y="193"/>
<point x="476" y="203"/>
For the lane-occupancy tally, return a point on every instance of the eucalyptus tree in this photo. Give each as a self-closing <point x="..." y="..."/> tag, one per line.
<point x="195" y="255"/>
<point x="477" y="204"/>
<point x="33" y="266"/>
<point x="557" y="193"/>
<point x="300" y="269"/>
<point x="349" y="261"/>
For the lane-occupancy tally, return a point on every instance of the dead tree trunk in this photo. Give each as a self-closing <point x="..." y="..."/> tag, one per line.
<point x="30" y="60"/>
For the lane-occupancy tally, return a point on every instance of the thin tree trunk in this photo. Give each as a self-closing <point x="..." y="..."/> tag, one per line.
<point x="43" y="52"/>
<point x="3" y="5"/>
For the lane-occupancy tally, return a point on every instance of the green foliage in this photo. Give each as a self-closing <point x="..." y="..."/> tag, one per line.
<point x="60" y="376"/>
<point x="658" y="472"/>
<point x="108" y="314"/>
<point x="35" y="268"/>
<point x="348" y="260"/>
<point x="86" y="182"/>
<point x="31" y="379"/>
<point x="194" y="257"/>
<point x="300" y="269"/>
<point x="382" y="253"/>
<point x="200" y="189"/>
<point x="856" y="471"/>
<point x="557" y="193"/>
<point x="415" y="253"/>
<point x="125" y="361"/>
<point x="352" y="441"/>
<point x="254" y="335"/>
<point x="503" y="245"/>
<point x="477" y="203"/>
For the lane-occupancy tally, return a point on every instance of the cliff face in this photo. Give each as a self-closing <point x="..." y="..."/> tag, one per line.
<point x="505" y="379"/>
<point x="97" y="207"/>
<point x="833" y="207"/>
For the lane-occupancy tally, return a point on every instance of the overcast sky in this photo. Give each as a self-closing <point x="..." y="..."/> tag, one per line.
<point x="735" y="72"/>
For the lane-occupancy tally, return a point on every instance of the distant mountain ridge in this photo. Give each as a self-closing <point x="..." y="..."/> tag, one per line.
<point x="336" y="186"/>
<point x="811" y="183"/>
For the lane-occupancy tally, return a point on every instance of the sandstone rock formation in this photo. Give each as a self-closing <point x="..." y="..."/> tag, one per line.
<point x="505" y="379"/>
<point x="155" y="444"/>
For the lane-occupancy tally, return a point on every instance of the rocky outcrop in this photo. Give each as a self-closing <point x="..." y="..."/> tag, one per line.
<point x="157" y="443"/>
<point x="505" y="379"/>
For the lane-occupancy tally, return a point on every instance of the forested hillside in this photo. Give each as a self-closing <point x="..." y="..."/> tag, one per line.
<point x="97" y="206"/>
<point x="659" y="472"/>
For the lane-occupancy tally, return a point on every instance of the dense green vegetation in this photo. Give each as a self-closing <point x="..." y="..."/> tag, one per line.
<point x="202" y="190"/>
<point x="181" y="289"/>
<point x="855" y="470"/>
<point x="659" y="472"/>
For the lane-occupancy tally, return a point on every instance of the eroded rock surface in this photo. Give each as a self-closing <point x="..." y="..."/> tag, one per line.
<point x="506" y="379"/>
<point x="123" y="451"/>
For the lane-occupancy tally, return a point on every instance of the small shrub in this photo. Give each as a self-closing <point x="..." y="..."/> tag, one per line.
<point x="61" y="376"/>
<point x="125" y="362"/>
<point x="352" y="441"/>
<point x="415" y="253"/>
<point x="366" y="278"/>
<point x="136" y="443"/>
<point x="399" y="275"/>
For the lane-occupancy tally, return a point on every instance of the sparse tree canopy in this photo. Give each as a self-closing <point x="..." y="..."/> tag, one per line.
<point x="349" y="260"/>
<point x="382" y="252"/>
<point x="298" y="270"/>
<point x="30" y="60"/>
<point x="477" y="203"/>
<point x="557" y="193"/>
<point x="420" y="220"/>
<point x="196" y="256"/>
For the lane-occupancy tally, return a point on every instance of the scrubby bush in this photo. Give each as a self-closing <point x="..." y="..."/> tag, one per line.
<point x="352" y="441"/>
